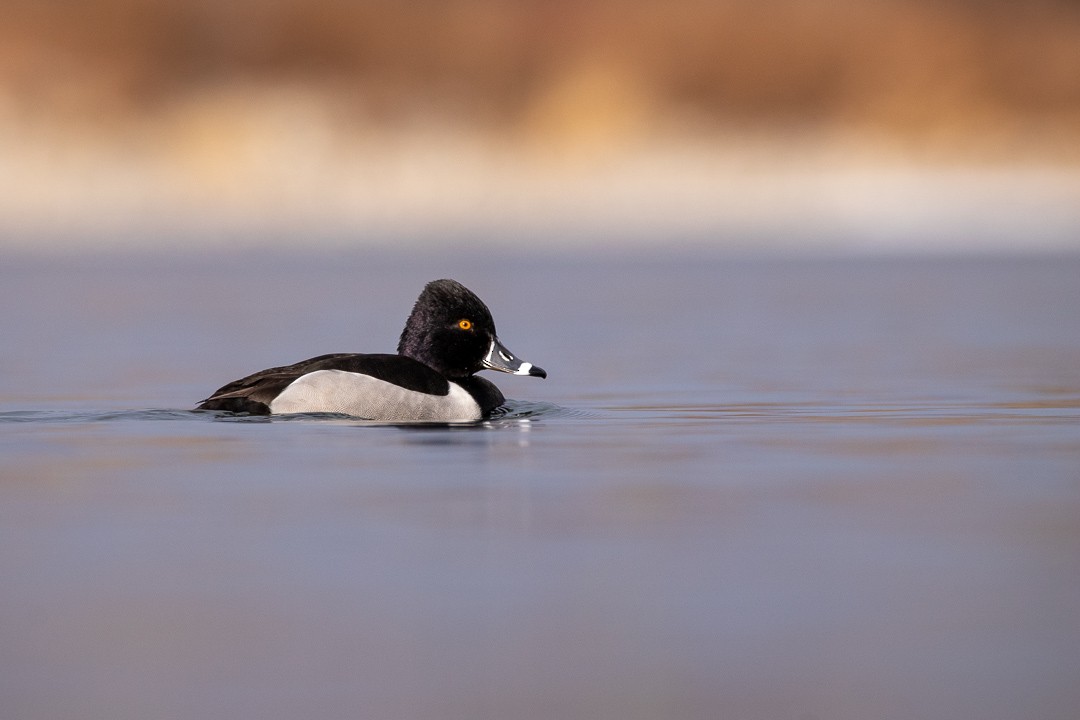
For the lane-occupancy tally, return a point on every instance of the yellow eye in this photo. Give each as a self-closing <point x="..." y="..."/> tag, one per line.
<point x="465" y="324"/>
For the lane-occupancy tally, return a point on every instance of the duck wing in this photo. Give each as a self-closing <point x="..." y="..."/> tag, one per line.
<point x="254" y="393"/>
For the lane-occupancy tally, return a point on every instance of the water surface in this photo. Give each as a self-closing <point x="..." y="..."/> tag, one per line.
<point x="749" y="488"/>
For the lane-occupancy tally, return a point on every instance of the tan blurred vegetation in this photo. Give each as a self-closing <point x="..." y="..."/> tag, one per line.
<point x="957" y="72"/>
<point x="871" y="122"/>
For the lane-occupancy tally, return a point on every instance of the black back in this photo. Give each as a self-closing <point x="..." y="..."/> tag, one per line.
<point x="254" y="393"/>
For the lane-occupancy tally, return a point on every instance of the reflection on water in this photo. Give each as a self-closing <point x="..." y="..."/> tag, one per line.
<point x="759" y="490"/>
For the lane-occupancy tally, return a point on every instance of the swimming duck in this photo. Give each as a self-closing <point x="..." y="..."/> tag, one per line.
<point x="448" y="337"/>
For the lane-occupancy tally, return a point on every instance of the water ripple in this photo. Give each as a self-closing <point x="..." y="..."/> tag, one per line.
<point x="927" y="412"/>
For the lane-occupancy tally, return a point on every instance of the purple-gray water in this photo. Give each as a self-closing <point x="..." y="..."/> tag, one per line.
<point x="749" y="488"/>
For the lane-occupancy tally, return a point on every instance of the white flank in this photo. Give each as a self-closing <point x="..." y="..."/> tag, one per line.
<point x="363" y="396"/>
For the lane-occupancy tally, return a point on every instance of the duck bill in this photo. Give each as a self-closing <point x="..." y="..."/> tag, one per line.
<point x="501" y="359"/>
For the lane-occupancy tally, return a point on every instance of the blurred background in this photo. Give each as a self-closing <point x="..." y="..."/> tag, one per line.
<point x="778" y="125"/>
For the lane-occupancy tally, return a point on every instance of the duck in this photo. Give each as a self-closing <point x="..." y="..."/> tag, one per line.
<point x="448" y="338"/>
